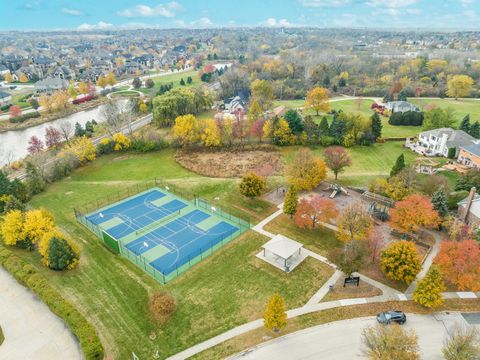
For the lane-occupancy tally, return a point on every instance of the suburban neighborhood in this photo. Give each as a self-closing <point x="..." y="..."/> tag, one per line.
<point x="261" y="180"/>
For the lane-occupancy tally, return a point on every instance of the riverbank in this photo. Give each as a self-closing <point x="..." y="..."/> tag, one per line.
<point x="6" y="125"/>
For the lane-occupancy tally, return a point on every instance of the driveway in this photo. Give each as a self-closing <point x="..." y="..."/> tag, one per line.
<point x="342" y="339"/>
<point x="31" y="330"/>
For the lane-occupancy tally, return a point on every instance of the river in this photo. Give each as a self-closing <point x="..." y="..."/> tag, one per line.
<point x="13" y="144"/>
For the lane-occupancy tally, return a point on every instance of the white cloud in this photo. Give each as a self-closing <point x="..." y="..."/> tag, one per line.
<point x="391" y="3"/>
<point x="202" y="22"/>
<point x="73" y="12"/>
<point x="168" y="10"/>
<point x="98" y="26"/>
<point x="272" y="22"/>
<point x="323" y="3"/>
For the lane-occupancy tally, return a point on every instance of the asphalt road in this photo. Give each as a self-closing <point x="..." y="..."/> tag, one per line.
<point x="342" y="339"/>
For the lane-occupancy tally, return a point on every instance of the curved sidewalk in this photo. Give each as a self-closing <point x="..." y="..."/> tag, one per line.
<point x="31" y="330"/>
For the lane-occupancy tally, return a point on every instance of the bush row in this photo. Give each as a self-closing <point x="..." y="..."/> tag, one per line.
<point x="20" y="119"/>
<point x="412" y="118"/>
<point x="27" y="275"/>
<point x="83" y="99"/>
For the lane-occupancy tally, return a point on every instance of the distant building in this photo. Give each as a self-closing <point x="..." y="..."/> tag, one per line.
<point x="5" y="98"/>
<point x="401" y="106"/>
<point x="50" y="84"/>
<point x="437" y="142"/>
<point x="469" y="156"/>
<point x="234" y="104"/>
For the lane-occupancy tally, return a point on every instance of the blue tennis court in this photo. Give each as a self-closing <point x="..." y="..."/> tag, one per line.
<point x="161" y="232"/>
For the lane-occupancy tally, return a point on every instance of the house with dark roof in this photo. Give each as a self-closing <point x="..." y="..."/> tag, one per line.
<point x="438" y="142"/>
<point x="5" y="98"/>
<point x="469" y="156"/>
<point x="50" y="84"/>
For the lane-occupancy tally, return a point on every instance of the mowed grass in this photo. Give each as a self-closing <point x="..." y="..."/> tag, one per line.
<point x="356" y="106"/>
<point x="461" y="107"/>
<point x="225" y="290"/>
<point x="175" y="79"/>
<point x="368" y="162"/>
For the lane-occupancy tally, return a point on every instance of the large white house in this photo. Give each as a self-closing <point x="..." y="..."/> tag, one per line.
<point x="400" y="106"/>
<point x="437" y="142"/>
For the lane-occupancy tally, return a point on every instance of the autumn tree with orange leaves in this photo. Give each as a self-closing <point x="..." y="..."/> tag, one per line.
<point x="459" y="262"/>
<point x="412" y="213"/>
<point x="314" y="211"/>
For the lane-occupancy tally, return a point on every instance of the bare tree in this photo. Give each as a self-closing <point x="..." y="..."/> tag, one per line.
<point x="113" y="114"/>
<point x="462" y="343"/>
<point x="66" y="128"/>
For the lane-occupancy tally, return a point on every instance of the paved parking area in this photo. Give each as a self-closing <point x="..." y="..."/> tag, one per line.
<point x="31" y="330"/>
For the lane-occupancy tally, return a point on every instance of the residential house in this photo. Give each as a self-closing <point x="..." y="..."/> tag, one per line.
<point x="234" y="104"/>
<point x="4" y="70"/>
<point x="469" y="208"/>
<point x="401" y="106"/>
<point x="469" y="155"/>
<point x="5" y="98"/>
<point x="50" y="84"/>
<point x="62" y="72"/>
<point x="437" y="142"/>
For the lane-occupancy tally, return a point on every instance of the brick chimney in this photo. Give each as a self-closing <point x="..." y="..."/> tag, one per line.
<point x="468" y="205"/>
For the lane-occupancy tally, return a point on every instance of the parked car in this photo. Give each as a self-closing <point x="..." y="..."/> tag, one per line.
<point x="13" y="87"/>
<point x="393" y="315"/>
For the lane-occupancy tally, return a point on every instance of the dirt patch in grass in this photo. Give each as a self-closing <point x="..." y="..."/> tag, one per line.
<point x="231" y="163"/>
<point x="363" y="290"/>
<point x="260" y="335"/>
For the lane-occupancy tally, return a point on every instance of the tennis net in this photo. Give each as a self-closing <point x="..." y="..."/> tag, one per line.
<point x="157" y="224"/>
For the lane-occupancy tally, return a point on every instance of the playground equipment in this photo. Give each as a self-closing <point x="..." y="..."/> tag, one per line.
<point x="378" y="211"/>
<point x="336" y="189"/>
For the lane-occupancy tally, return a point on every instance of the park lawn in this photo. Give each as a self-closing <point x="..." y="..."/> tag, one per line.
<point x="319" y="240"/>
<point x="462" y="107"/>
<point x="125" y="93"/>
<point x="175" y="79"/>
<point x="2" y="337"/>
<point x="20" y="100"/>
<point x="223" y="291"/>
<point x="368" y="162"/>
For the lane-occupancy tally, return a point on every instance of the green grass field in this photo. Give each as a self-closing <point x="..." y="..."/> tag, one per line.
<point x="2" y="337"/>
<point x="20" y="100"/>
<point x="175" y="79"/>
<point x="357" y="107"/>
<point x="368" y="162"/>
<point x="462" y="107"/>
<point x="223" y="291"/>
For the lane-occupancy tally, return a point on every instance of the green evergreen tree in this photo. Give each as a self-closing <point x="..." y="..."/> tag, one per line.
<point x="19" y="190"/>
<point x="324" y="127"/>
<point x="402" y="95"/>
<point x="338" y="129"/>
<point x="5" y="186"/>
<point x="291" y="201"/>
<point x="182" y="82"/>
<point x="475" y="130"/>
<point x="79" y="131"/>
<point x="399" y="165"/>
<point x="189" y="80"/>
<point x="376" y="126"/>
<point x="294" y="121"/>
<point x="465" y="124"/>
<point x="34" y="181"/>
<point x="440" y="203"/>
<point x="60" y="254"/>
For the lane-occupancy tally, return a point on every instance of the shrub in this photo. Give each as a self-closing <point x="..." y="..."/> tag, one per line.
<point x="162" y="305"/>
<point x="252" y="185"/>
<point x="20" y="119"/>
<point x="83" y="99"/>
<point x="26" y="274"/>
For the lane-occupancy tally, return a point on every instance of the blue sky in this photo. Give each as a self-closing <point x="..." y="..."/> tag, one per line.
<point x="110" y="14"/>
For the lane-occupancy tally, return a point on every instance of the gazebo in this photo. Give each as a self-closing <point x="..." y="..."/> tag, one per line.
<point x="283" y="253"/>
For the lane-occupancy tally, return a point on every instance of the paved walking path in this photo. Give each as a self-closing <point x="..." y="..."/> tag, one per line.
<point x="31" y="330"/>
<point x="428" y="261"/>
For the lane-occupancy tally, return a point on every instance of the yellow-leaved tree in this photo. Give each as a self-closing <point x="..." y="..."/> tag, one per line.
<point x="82" y="148"/>
<point x="12" y="227"/>
<point x="110" y="79"/>
<point x="306" y="170"/>
<point x="275" y="315"/>
<point x="82" y="88"/>
<point x="317" y="99"/>
<point x="38" y="222"/>
<point x="186" y="130"/>
<point x="102" y="82"/>
<point x="354" y="223"/>
<point x="282" y="134"/>
<point x="8" y="77"/>
<point x="400" y="261"/>
<point x="211" y="134"/>
<point x="122" y="142"/>
<point x="22" y="78"/>
<point x="429" y="290"/>
<point x="459" y="86"/>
